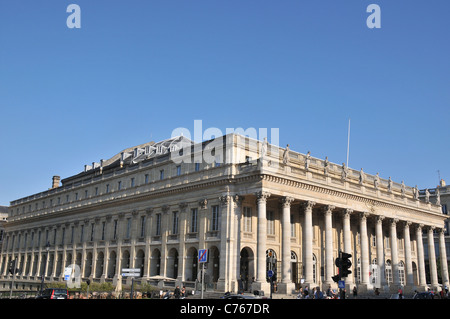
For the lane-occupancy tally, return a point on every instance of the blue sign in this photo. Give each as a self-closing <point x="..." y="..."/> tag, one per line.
<point x="203" y="255"/>
<point x="341" y="284"/>
<point x="270" y="273"/>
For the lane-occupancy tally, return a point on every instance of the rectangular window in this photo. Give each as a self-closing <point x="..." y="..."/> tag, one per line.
<point x="92" y="231"/>
<point x="175" y="223"/>
<point x="128" y="234"/>
<point x="270" y="222"/>
<point x="132" y="182"/>
<point x="292" y="226"/>
<point x="107" y="188"/>
<point x="103" y="230"/>
<point x="197" y="167"/>
<point x="215" y="218"/>
<point x="115" y="229"/>
<point x="63" y="235"/>
<point x="146" y="179"/>
<point x="247" y="219"/>
<point x="158" y="224"/>
<point x="71" y="234"/>
<point x="161" y="174"/>
<point x="82" y="233"/>
<point x="143" y="222"/>
<point x="119" y="185"/>
<point x="178" y="170"/>
<point x="194" y="216"/>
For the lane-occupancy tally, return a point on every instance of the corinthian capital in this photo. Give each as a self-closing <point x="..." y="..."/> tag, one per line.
<point x="262" y="196"/>
<point x="286" y="201"/>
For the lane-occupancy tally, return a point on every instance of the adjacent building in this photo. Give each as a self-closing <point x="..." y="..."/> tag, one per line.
<point x="254" y="206"/>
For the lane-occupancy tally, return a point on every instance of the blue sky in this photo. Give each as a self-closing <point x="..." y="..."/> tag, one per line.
<point x="136" y="70"/>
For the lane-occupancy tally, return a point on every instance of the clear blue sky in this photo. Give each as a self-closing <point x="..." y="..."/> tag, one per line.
<point x="138" y="69"/>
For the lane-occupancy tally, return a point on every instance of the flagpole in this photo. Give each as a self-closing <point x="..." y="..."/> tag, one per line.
<point x="348" y="140"/>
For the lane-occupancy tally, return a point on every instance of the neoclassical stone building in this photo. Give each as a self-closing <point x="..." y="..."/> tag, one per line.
<point x="253" y="205"/>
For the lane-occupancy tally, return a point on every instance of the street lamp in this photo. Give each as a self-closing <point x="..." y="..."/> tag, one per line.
<point x="47" y="248"/>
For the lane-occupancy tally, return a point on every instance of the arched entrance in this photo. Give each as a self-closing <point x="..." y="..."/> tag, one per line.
<point x="246" y="268"/>
<point x="155" y="263"/>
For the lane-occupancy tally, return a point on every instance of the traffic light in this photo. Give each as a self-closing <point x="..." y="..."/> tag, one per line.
<point x="338" y="263"/>
<point x="346" y="264"/>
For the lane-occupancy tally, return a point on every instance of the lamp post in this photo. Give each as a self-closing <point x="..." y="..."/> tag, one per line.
<point x="47" y="248"/>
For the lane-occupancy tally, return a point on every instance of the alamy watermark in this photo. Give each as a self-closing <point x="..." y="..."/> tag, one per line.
<point x="213" y="146"/>
<point x="73" y="21"/>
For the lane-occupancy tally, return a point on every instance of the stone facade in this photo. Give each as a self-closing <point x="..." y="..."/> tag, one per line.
<point x="254" y="206"/>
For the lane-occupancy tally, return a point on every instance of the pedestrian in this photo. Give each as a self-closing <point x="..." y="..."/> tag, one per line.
<point x="400" y="293"/>
<point x="183" y="291"/>
<point x="355" y="292"/>
<point x="177" y="292"/>
<point x="318" y="294"/>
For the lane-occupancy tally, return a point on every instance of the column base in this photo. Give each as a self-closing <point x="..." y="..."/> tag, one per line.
<point x="285" y="288"/>
<point x="221" y="285"/>
<point x="264" y="286"/>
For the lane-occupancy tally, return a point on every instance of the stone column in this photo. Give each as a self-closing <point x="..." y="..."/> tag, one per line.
<point x="286" y="285"/>
<point x="394" y="257"/>
<point x="329" y="265"/>
<point x="408" y="259"/>
<point x="307" y="244"/>
<point x="364" y="251"/>
<point x="261" y="283"/>
<point x="443" y="254"/>
<point x="347" y="234"/>
<point x="381" y="277"/>
<point x="238" y="215"/>
<point x="225" y="202"/>
<point x="432" y="259"/>
<point x="182" y="249"/>
<point x="420" y="257"/>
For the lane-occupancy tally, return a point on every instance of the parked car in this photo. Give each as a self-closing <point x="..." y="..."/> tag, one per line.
<point x="424" y="295"/>
<point x="54" y="293"/>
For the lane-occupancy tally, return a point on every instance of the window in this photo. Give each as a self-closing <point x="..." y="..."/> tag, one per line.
<point x="247" y="219"/>
<point x="175" y="223"/>
<point x="107" y="188"/>
<point x="158" y="224"/>
<point x="197" y="167"/>
<point x="215" y="218"/>
<point x="115" y="229"/>
<point x="292" y="226"/>
<point x="71" y="234"/>
<point x="96" y="191"/>
<point x="82" y="233"/>
<point x="146" y="179"/>
<point x="143" y="222"/>
<point x="103" y="230"/>
<point x="194" y="216"/>
<point x="161" y="174"/>
<point x="401" y="272"/>
<point x="132" y="182"/>
<point x="270" y="223"/>
<point x="119" y="185"/>
<point x="128" y="233"/>
<point x="178" y="170"/>
<point x="92" y="231"/>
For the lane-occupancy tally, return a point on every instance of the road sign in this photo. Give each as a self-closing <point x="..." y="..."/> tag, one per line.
<point x="203" y="255"/>
<point x="341" y="284"/>
<point x="131" y="272"/>
<point x="270" y="273"/>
